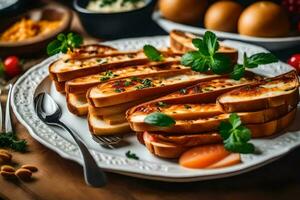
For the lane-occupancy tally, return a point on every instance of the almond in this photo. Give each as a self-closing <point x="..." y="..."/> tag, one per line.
<point x="7" y="168"/>
<point x="5" y="157"/>
<point x="8" y="175"/>
<point x="24" y="174"/>
<point x="32" y="168"/>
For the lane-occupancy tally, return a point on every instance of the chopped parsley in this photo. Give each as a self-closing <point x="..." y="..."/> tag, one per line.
<point x="187" y="106"/>
<point x="119" y="90"/>
<point x="10" y="140"/>
<point x="131" y="155"/>
<point x="145" y="83"/>
<point x="161" y="104"/>
<point x="108" y="75"/>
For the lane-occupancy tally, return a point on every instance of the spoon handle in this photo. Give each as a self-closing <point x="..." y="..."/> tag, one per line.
<point x="93" y="175"/>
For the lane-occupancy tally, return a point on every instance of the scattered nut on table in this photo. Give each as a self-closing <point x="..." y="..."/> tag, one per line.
<point x="23" y="174"/>
<point x="8" y="175"/>
<point x="5" y="156"/>
<point x="7" y="168"/>
<point x="32" y="168"/>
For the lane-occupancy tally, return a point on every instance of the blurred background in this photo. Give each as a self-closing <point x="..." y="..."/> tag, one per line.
<point x="27" y="26"/>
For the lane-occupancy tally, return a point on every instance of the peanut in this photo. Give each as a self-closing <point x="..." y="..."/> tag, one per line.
<point x="5" y="157"/>
<point x="24" y="174"/>
<point x="8" y="175"/>
<point x="7" y="168"/>
<point x="32" y="168"/>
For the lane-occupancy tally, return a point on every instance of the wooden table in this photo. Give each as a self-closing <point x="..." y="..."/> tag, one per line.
<point x="60" y="179"/>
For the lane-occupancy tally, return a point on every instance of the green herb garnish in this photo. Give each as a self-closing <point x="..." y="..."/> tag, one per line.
<point x="206" y="57"/>
<point x="236" y="136"/>
<point x="252" y="62"/>
<point x="159" y="119"/>
<point x="161" y="104"/>
<point x="187" y="106"/>
<point x="131" y="155"/>
<point x="127" y="83"/>
<point x="182" y="91"/>
<point x="146" y="83"/>
<point x="63" y="43"/>
<point x="10" y="140"/>
<point x="107" y="75"/>
<point x="119" y="90"/>
<point x="152" y="53"/>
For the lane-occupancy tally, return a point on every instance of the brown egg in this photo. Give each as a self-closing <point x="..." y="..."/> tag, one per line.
<point x="183" y="11"/>
<point x="264" y="19"/>
<point x="223" y="16"/>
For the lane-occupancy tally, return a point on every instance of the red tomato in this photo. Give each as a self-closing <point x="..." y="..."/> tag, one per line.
<point x="12" y="66"/>
<point x="294" y="61"/>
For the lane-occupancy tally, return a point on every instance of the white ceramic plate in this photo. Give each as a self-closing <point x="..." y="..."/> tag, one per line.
<point x="269" y="43"/>
<point x="149" y="166"/>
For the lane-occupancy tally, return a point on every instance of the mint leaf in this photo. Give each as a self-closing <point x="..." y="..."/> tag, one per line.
<point x="235" y="136"/>
<point x="62" y="43"/>
<point x="159" y="119"/>
<point x="211" y="42"/>
<point x="238" y="72"/>
<point x="220" y="64"/>
<point x="260" y="59"/>
<point x="152" y="53"/>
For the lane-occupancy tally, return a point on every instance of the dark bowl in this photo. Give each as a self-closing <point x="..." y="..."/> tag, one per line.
<point x="114" y="25"/>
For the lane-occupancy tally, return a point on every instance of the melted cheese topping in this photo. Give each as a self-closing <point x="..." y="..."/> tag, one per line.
<point x="111" y="88"/>
<point x="210" y="86"/>
<point x="63" y="65"/>
<point x="268" y="89"/>
<point x="122" y="72"/>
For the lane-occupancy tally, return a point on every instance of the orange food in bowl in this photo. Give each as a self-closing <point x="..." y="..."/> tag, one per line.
<point x="264" y="19"/>
<point x="223" y="16"/>
<point x="183" y="11"/>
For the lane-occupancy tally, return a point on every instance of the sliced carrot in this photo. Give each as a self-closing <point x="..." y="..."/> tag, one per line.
<point x="232" y="159"/>
<point x="204" y="156"/>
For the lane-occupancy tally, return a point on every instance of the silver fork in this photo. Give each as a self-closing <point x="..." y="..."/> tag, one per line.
<point x="108" y="141"/>
<point x="7" y="124"/>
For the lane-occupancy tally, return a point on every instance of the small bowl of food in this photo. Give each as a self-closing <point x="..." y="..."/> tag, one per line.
<point x="29" y="33"/>
<point x="115" y="18"/>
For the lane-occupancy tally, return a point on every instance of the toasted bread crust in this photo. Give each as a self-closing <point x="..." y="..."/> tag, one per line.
<point x="181" y="42"/>
<point x="60" y="86"/>
<point x="290" y="97"/>
<point x="109" y="129"/>
<point x="79" y="110"/>
<point x="173" y="147"/>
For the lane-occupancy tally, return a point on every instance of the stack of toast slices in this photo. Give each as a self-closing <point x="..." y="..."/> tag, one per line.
<point x="116" y="90"/>
<point x="265" y="105"/>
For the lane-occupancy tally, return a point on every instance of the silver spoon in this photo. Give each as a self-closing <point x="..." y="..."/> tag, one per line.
<point x="50" y="113"/>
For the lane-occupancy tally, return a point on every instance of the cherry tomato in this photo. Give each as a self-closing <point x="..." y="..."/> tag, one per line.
<point x="12" y="66"/>
<point x="294" y="61"/>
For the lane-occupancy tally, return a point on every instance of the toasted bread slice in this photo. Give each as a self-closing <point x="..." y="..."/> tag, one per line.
<point x="173" y="146"/>
<point x="91" y="50"/>
<point x="77" y="104"/>
<point x="118" y="118"/>
<point x="60" y="86"/>
<point x="196" y="123"/>
<point x="138" y="87"/>
<point x="67" y="69"/>
<point x="82" y="84"/>
<point x="116" y="109"/>
<point x="269" y="93"/>
<point x="98" y="126"/>
<point x="181" y="42"/>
